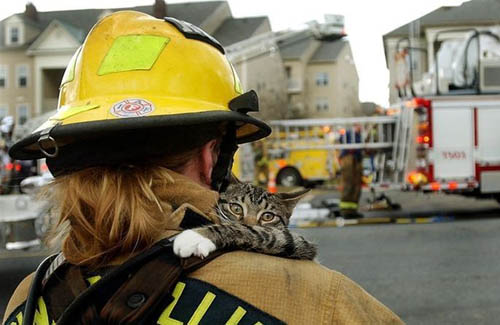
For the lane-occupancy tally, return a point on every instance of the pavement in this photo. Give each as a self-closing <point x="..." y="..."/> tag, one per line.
<point x="441" y="273"/>
<point x="416" y="207"/>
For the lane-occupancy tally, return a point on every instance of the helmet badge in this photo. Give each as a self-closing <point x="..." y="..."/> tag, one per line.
<point x="132" y="107"/>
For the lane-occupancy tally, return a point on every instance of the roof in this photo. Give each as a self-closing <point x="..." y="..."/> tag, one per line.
<point x="470" y="12"/>
<point x="328" y="51"/>
<point x="294" y="47"/>
<point x="82" y="20"/>
<point x="234" y="30"/>
<point x="78" y="33"/>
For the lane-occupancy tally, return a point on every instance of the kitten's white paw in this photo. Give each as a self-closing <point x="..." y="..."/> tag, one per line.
<point x="189" y="243"/>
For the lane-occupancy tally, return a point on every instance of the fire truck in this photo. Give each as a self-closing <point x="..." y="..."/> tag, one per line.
<point x="306" y="150"/>
<point x="453" y="118"/>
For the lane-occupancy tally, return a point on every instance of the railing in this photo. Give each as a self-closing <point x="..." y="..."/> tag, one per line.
<point x="339" y="133"/>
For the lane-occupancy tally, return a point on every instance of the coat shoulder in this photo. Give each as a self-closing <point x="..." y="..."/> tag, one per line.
<point x="295" y="291"/>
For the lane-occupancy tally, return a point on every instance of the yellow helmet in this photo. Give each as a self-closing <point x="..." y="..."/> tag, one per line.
<point x="135" y="72"/>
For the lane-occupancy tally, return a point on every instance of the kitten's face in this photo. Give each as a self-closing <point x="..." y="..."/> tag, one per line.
<point x="253" y="205"/>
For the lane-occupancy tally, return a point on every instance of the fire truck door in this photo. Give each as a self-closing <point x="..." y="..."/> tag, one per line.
<point x="488" y="150"/>
<point x="453" y="141"/>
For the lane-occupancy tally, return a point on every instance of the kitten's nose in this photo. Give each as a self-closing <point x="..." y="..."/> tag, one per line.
<point x="251" y="221"/>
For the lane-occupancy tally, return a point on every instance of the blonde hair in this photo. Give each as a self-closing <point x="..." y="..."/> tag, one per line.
<point x="107" y="213"/>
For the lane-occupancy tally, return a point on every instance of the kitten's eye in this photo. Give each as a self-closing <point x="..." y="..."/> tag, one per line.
<point x="267" y="217"/>
<point x="236" y="209"/>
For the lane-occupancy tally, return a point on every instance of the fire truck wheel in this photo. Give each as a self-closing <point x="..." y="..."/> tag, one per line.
<point x="289" y="177"/>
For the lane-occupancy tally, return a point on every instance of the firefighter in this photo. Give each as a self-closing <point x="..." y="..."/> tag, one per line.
<point x="261" y="163"/>
<point x="151" y="112"/>
<point x="351" y="170"/>
<point x="7" y="169"/>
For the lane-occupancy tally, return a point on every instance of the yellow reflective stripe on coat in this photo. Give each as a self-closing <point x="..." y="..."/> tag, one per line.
<point x="19" y="318"/>
<point x="237" y="316"/>
<point x="348" y="205"/>
<point x="165" y="316"/>
<point x="93" y="279"/>
<point x="41" y="314"/>
<point x="202" y="309"/>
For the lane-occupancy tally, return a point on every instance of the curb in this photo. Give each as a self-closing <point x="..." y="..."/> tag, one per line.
<point x="340" y="222"/>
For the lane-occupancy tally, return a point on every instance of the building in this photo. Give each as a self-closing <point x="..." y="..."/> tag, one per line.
<point x="35" y="48"/>
<point x="322" y="80"/>
<point x="257" y="62"/>
<point x="425" y="35"/>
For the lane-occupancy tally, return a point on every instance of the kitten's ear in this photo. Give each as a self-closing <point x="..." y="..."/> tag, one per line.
<point x="233" y="181"/>
<point x="291" y="199"/>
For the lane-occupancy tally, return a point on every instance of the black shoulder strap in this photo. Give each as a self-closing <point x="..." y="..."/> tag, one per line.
<point x="35" y="288"/>
<point x="143" y="297"/>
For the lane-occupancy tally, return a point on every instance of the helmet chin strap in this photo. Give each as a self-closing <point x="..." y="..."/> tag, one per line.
<point x="221" y="173"/>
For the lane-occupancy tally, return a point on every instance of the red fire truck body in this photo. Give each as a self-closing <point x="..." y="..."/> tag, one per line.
<point x="457" y="144"/>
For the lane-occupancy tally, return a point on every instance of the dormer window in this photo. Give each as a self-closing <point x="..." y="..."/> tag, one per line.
<point x="14" y="35"/>
<point x="13" y="31"/>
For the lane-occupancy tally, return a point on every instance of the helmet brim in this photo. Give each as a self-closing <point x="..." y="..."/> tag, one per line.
<point x="248" y="129"/>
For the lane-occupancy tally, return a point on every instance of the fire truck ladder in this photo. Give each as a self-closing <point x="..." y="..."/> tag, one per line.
<point x="378" y="135"/>
<point x="401" y="149"/>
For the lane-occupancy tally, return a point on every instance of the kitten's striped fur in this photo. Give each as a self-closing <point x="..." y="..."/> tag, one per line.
<point x="253" y="219"/>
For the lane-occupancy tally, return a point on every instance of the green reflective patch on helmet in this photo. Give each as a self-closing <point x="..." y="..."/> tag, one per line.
<point x="69" y="73"/>
<point x="237" y="84"/>
<point x="132" y="52"/>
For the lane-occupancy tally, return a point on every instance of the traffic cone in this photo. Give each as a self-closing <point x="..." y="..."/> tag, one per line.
<point x="271" y="183"/>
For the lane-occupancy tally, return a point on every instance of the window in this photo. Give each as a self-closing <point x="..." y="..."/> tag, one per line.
<point x="14" y="35"/>
<point x="22" y="76"/>
<point x="322" y="79"/>
<point x="3" y="75"/>
<point x="23" y="113"/>
<point x="288" y="71"/>
<point x="4" y="110"/>
<point x="322" y="104"/>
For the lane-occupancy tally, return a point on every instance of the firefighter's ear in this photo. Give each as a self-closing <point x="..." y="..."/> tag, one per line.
<point x="291" y="199"/>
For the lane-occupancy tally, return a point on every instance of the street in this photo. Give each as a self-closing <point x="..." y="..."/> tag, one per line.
<point x="445" y="273"/>
<point x="428" y="274"/>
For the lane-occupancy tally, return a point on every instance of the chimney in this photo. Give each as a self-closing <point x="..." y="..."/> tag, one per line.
<point x="160" y="9"/>
<point x="31" y="12"/>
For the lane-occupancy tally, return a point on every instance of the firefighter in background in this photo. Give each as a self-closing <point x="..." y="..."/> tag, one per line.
<point x="351" y="170"/>
<point x="6" y="129"/>
<point x="369" y="173"/>
<point x="12" y="172"/>
<point x="261" y="163"/>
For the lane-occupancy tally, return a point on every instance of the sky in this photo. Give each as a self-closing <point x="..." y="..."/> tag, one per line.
<point x="365" y="23"/>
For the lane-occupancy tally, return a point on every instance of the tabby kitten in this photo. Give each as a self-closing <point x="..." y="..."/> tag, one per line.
<point x="252" y="219"/>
